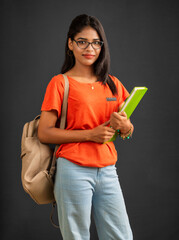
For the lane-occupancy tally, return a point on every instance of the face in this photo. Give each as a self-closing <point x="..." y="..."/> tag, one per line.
<point x="89" y="55"/>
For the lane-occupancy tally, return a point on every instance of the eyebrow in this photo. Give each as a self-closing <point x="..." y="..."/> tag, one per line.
<point x="95" y="39"/>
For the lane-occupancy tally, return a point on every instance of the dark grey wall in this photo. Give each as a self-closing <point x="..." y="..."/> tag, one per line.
<point x="144" y="44"/>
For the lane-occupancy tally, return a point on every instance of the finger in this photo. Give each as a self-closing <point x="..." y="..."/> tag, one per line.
<point x="123" y="114"/>
<point x="109" y="135"/>
<point x="116" y="115"/>
<point x="111" y="129"/>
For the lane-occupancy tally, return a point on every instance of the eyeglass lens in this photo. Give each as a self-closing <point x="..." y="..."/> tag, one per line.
<point x="85" y="44"/>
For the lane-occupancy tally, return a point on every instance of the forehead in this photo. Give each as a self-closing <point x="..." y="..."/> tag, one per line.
<point x="88" y="33"/>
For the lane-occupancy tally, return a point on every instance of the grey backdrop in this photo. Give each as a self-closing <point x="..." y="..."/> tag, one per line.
<point x="143" y="38"/>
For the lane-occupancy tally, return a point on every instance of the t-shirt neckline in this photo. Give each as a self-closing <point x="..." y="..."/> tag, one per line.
<point x="91" y="83"/>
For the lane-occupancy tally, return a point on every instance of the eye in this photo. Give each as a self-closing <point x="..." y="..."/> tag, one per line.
<point x="82" y="42"/>
<point x="97" y="43"/>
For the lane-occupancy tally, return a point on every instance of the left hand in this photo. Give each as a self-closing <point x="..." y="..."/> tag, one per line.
<point x="120" y="121"/>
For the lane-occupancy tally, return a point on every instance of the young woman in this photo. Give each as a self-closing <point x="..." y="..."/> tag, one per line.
<point x="86" y="178"/>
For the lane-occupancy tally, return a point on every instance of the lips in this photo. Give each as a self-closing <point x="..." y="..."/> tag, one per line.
<point x="88" y="56"/>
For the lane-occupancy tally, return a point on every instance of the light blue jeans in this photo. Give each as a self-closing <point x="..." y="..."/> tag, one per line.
<point x="78" y="191"/>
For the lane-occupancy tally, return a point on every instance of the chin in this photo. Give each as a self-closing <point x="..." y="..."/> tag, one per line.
<point x="89" y="62"/>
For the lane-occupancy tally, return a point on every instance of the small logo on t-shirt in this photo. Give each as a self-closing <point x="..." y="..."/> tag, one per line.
<point x="111" y="99"/>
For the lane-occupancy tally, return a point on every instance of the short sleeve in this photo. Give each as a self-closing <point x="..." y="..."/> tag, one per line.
<point x="122" y="91"/>
<point x="54" y="95"/>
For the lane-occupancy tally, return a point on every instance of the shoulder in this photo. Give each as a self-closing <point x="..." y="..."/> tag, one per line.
<point x="57" y="81"/>
<point x="117" y="82"/>
<point x="120" y="87"/>
<point x="56" y="84"/>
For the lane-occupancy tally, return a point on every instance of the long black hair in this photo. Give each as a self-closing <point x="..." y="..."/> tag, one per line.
<point x="102" y="64"/>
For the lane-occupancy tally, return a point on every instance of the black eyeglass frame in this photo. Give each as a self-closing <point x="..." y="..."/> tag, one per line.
<point x="101" y="44"/>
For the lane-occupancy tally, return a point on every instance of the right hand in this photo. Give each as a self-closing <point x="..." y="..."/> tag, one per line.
<point x="102" y="133"/>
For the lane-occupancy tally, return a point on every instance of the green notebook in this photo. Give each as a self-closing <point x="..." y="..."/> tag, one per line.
<point x="131" y="103"/>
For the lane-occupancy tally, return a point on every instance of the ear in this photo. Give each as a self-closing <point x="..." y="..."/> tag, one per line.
<point x="70" y="44"/>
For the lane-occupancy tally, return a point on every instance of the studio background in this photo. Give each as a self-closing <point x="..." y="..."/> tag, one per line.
<point x="143" y="39"/>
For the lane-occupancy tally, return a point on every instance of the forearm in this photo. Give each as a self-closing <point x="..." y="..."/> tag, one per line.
<point x="59" y="136"/>
<point x="49" y="133"/>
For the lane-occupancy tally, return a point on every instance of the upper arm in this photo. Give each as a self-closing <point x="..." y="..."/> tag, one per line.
<point x="48" y="119"/>
<point x="53" y="98"/>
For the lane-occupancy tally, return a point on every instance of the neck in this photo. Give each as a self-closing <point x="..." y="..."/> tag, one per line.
<point x="83" y="71"/>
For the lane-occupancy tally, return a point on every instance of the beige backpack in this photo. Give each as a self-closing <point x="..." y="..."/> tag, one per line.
<point x="38" y="160"/>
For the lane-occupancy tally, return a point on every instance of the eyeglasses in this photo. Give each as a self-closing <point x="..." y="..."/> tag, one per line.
<point x="84" y="44"/>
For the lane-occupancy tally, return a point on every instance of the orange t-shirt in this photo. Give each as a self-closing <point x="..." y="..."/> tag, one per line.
<point x="89" y="105"/>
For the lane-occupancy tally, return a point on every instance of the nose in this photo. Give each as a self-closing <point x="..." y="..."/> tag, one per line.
<point x="89" y="46"/>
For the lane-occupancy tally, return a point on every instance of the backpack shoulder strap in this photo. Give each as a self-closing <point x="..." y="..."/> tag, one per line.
<point x="62" y="126"/>
<point x="62" y="120"/>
